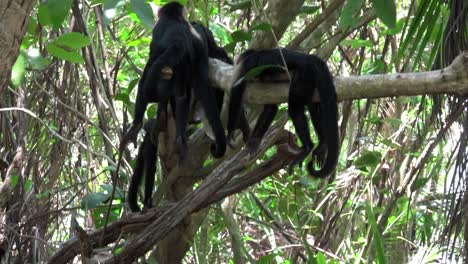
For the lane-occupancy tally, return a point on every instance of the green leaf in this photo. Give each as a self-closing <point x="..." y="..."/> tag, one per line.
<point x="14" y="180"/>
<point x="132" y="85"/>
<point x="377" y="237"/>
<point x="43" y="14"/>
<point x="151" y="111"/>
<point x="108" y="190"/>
<point x="18" y="70"/>
<point x="92" y="200"/>
<point x="143" y="11"/>
<point x="309" y="9"/>
<point x="349" y="14"/>
<point x="124" y="98"/>
<point x="368" y="158"/>
<point x="397" y="29"/>
<point x="386" y="11"/>
<point x="321" y="259"/>
<point x="357" y="43"/>
<point x="236" y="5"/>
<point x="221" y="33"/>
<point x="58" y="52"/>
<point x="58" y="10"/>
<point x="240" y="35"/>
<point x="73" y="40"/>
<point x="261" y="27"/>
<point x="267" y="259"/>
<point x="254" y="72"/>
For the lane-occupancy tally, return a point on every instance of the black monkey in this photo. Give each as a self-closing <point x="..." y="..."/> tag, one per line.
<point x="216" y="52"/>
<point x="177" y="46"/>
<point x="147" y="154"/>
<point x="310" y="77"/>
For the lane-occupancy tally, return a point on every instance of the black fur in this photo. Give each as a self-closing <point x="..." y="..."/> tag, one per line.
<point x="310" y="75"/>
<point x="176" y="45"/>
<point x="147" y="154"/>
<point x="145" y="165"/>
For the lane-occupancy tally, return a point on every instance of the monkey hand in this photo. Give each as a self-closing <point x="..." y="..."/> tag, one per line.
<point x="319" y="154"/>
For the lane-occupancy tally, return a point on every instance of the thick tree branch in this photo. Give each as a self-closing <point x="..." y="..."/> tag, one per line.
<point x="450" y="80"/>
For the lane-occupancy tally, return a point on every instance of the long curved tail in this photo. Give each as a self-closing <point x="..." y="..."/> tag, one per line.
<point x="145" y="164"/>
<point x="137" y="176"/>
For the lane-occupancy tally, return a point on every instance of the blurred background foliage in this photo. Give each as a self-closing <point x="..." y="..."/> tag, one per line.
<point x="400" y="189"/>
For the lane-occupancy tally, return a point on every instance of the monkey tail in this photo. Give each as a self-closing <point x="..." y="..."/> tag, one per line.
<point x="136" y="179"/>
<point x="329" y="110"/>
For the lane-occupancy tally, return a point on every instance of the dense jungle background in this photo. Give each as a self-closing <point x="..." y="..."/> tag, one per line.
<point x="68" y="76"/>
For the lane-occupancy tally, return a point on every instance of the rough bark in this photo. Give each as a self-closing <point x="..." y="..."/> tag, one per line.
<point x="14" y="17"/>
<point x="279" y="14"/>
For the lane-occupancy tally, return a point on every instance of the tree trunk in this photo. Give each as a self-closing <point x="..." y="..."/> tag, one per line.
<point x="14" y="16"/>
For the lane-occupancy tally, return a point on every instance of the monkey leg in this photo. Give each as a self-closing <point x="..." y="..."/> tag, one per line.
<point x="299" y="119"/>
<point x="263" y="122"/>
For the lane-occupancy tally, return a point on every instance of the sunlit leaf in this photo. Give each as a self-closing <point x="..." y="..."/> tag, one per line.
<point x="18" y="70"/>
<point x="73" y="40"/>
<point x="58" y="52"/>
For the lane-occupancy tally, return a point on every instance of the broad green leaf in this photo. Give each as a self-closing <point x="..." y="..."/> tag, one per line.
<point x="132" y="85"/>
<point x="143" y="11"/>
<point x="92" y="200"/>
<point x="58" y="10"/>
<point x="73" y="40"/>
<point x="368" y="158"/>
<point x="386" y="11"/>
<point x="18" y="70"/>
<point x="397" y="29"/>
<point x="43" y="14"/>
<point x="35" y="60"/>
<point x="58" y="52"/>
<point x="379" y="247"/>
<point x="108" y="190"/>
<point x="123" y="97"/>
<point x="349" y="14"/>
<point x="240" y="35"/>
